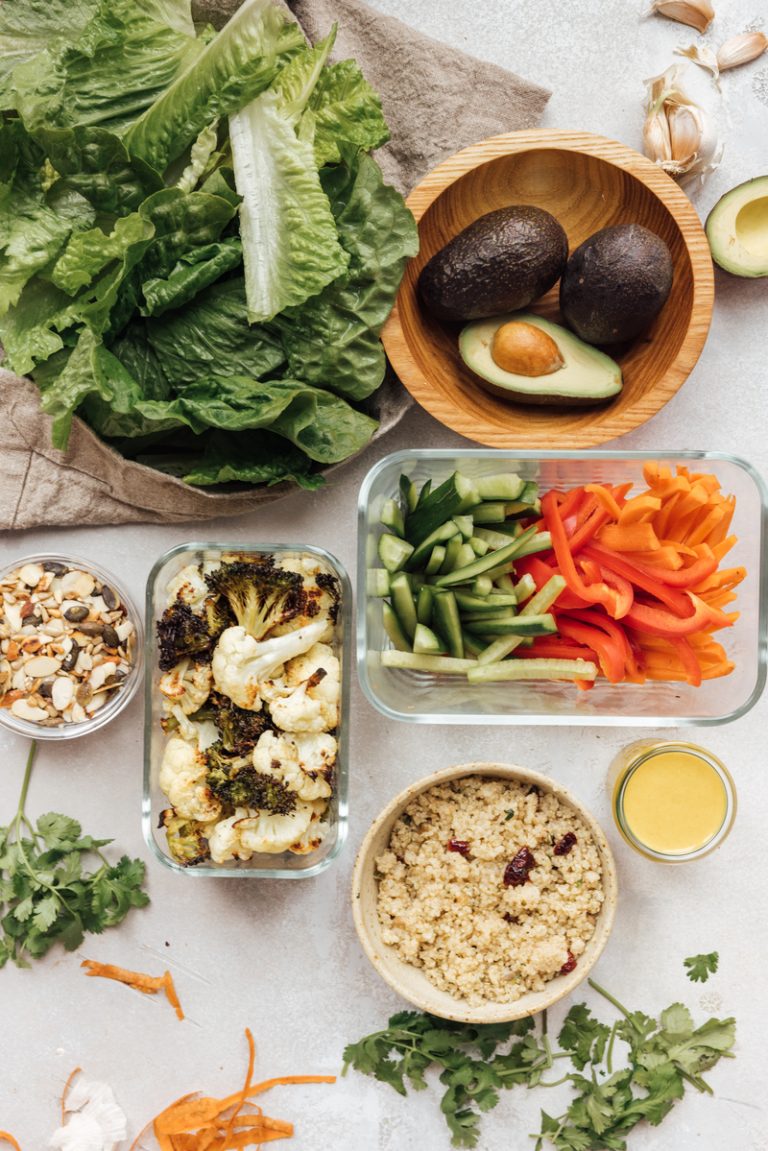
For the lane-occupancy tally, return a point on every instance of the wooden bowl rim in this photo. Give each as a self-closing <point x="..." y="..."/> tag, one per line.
<point x="620" y="156"/>
<point x="533" y="1001"/>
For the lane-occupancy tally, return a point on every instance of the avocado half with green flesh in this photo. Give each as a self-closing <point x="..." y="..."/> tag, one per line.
<point x="587" y="376"/>
<point x="737" y="229"/>
<point x="499" y="263"/>
<point x="615" y="283"/>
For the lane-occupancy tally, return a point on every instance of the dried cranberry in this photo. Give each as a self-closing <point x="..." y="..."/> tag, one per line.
<point x="564" y="845"/>
<point x="461" y="846"/>
<point x="569" y="964"/>
<point x="516" y="872"/>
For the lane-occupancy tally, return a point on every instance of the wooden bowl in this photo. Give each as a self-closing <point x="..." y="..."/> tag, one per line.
<point x="411" y="982"/>
<point x="587" y="182"/>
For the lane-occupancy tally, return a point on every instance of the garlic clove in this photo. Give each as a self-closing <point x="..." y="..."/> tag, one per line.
<point x="656" y="140"/>
<point x="741" y="49"/>
<point x="701" y="55"/>
<point x="697" y="14"/>
<point x="685" y="133"/>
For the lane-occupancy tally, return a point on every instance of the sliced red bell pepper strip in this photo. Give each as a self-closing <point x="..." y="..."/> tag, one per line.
<point x="542" y="572"/>
<point x="595" y="573"/>
<point x="658" y="621"/>
<point x="615" y="630"/>
<point x="609" y="653"/>
<point x="587" y="531"/>
<point x="550" y="647"/>
<point x="686" y="577"/>
<point x="648" y="581"/>
<point x="593" y="593"/>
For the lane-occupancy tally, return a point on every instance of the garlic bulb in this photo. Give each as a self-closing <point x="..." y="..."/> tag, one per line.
<point x="697" y="14"/>
<point x="679" y="133"/>
<point x="741" y="49"/>
<point x="95" y="1121"/>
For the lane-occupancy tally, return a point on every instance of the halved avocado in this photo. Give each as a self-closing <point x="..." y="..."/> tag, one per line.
<point x="586" y="377"/>
<point x="737" y="229"/>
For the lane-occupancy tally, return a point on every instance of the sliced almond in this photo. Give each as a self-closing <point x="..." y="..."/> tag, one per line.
<point x="41" y="665"/>
<point x="24" y="710"/>
<point x="31" y="574"/>
<point x="63" y="692"/>
<point x="78" y="584"/>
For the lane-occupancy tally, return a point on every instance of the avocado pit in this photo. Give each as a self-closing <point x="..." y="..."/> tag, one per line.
<point x="525" y="350"/>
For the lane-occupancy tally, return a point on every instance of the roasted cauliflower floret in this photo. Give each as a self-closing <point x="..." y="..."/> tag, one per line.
<point x="315" y="833"/>
<point x="187" y="685"/>
<point x="303" y="762"/>
<point x="306" y="696"/>
<point x="265" y="832"/>
<point x="321" y="592"/>
<point x="188" y="586"/>
<point x="241" y="663"/>
<point x="182" y="778"/>
<point x="224" y="840"/>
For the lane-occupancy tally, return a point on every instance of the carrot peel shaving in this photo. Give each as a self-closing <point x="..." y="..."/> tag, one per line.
<point x="147" y="984"/>
<point x="6" y="1137"/>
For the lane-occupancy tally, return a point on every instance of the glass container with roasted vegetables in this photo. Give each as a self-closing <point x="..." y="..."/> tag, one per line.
<point x="245" y="743"/>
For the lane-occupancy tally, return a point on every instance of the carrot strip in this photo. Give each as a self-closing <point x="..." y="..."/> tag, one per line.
<point x="639" y="537"/>
<point x="147" y="984"/>
<point x="65" y="1093"/>
<point x="246" y="1085"/>
<point x="605" y="497"/>
<point x="6" y="1137"/>
<point x="639" y="508"/>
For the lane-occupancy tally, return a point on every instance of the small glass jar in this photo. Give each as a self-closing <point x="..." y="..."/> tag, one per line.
<point x="673" y="801"/>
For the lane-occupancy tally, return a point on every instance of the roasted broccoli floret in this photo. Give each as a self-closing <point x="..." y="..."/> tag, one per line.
<point x="240" y="729"/>
<point x="183" y="635"/>
<point x="186" y="841"/>
<point x="235" y="782"/>
<point x="260" y="595"/>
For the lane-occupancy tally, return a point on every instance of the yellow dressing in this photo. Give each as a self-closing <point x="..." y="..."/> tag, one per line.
<point x="674" y="802"/>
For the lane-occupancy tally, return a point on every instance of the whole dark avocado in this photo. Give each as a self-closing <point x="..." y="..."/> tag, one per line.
<point x="615" y="283"/>
<point x="500" y="263"/>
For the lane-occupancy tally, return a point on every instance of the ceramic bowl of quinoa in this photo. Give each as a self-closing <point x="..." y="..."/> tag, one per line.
<point x="484" y="893"/>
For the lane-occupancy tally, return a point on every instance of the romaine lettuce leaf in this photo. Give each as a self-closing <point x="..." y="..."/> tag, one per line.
<point x="239" y="63"/>
<point x="212" y="334"/>
<point x="30" y="26"/>
<point x="251" y="458"/>
<point x="343" y="108"/>
<point x="30" y="332"/>
<point x="110" y="70"/>
<point x="321" y="424"/>
<point x="192" y="272"/>
<point x="332" y="340"/>
<point x="88" y="253"/>
<point x="95" y="163"/>
<point x="291" y="248"/>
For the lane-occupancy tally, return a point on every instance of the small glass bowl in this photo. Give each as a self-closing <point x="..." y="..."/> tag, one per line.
<point x="630" y="759"/>
<point x="420" y="697"/>
<point x="121" y="698"/>
<point x="285" y="865"/>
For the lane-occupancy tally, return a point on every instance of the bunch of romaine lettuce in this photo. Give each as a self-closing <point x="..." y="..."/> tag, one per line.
<point x="197" y="252"/>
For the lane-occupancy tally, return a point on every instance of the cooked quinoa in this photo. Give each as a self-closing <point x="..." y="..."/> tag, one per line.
<point x="460" y="897"/>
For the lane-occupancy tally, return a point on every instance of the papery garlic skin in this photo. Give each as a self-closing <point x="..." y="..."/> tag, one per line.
<point x="697" y="14"/>
<point x="688" y="124"/>
<point x="702" y="55"/>
<point x="741" y="49"/>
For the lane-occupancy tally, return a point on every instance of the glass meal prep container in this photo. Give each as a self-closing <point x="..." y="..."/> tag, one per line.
<point x="285" y="865"/>
<point x="420" y="697"/>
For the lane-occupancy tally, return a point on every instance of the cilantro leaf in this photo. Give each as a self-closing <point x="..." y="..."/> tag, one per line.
<point x="583" y="1036"/>
<point x="700" y="967"/>
<point x="57" y="830"/>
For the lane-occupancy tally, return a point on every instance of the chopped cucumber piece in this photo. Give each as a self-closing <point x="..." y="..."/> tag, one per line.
<point x="493" y="539"/>
<point x="506" y="585"/>
<point x="425" y="642"/>
<point x="393" y="628"/>
<point x="377" y="581"/>
<point x="445" y="614"/>
<point x="465" y="555"/>
<point x="485" y="564"/>
<point x="403" y="603"/>
<point x="426" y="489"/>
<point x="473" y="645"/>
<point x="452" y="551"/>
<point x="409" y="492"/>
<point x="512" y="669"/>
<point x="438" y="664"/>
<point x="392" y="517"/>
<point x="477" y="603"/>
<point x="424" y="605"/>
<point x="454" y="497"/>
<point x="466" y="526"/>
<point x="518" y="508"/>
<point x="530" y="493"/>
<point x="512" y="625"/>
<point x="394" y="552"/>
<point x="540" y="542"/>
<point x="536" y="605"/>
<point x="479" y="547"/>
<point x="490" y="513"/>
<point x="505" y="486"/>
<point x="435" y="561"/>
<point x="524" y="588"/>
<point x="440" y="535"/>
<point x="482" y="586"/>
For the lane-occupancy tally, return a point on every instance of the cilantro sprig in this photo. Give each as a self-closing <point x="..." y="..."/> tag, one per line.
<point x="663" y="1056"/>
<point x="47" y="895"/>
<point x="700" y="967"/>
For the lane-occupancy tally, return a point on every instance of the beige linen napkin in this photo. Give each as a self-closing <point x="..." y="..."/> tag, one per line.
<point x="436" y="100"/>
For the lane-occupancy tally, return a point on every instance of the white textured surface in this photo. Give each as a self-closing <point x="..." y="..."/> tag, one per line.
<point x="283" y="957"/>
